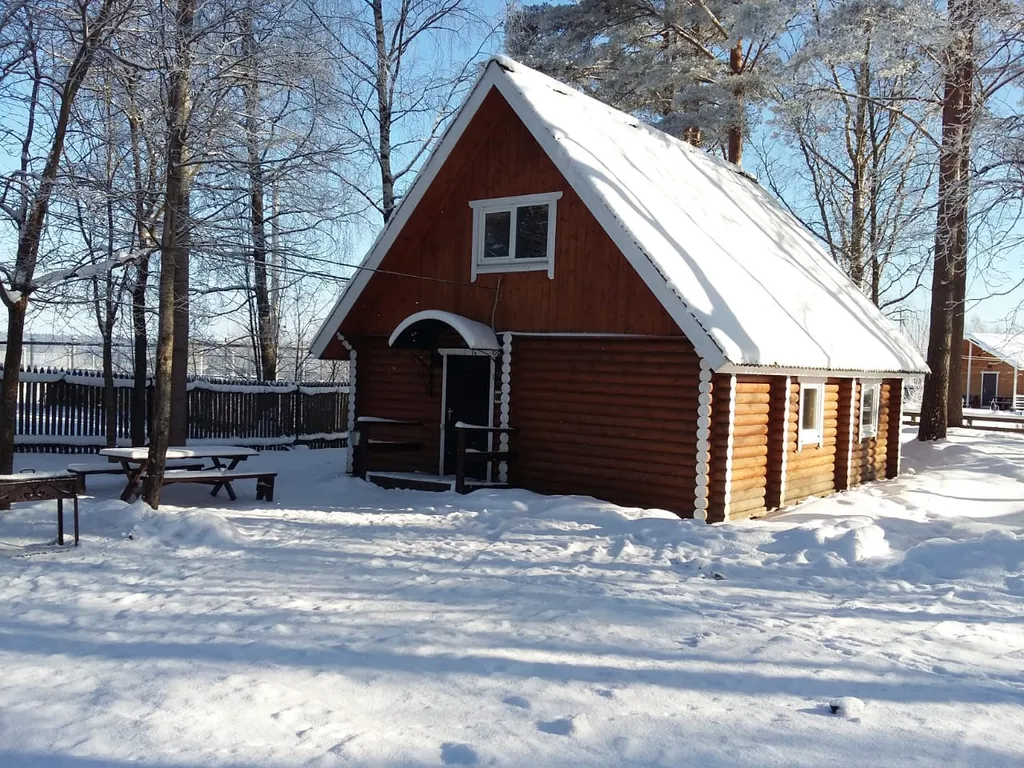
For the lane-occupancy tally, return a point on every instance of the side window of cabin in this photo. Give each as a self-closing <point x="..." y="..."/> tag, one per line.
<point x="812" y="413"/>
<point x="514" y="234"/>
<point x="869" y="398"/>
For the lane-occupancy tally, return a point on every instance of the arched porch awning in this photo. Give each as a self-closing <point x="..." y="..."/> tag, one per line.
<point x="423" y="329"/>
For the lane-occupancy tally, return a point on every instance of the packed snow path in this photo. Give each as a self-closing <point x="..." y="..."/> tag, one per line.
<point x="347" y="625"/>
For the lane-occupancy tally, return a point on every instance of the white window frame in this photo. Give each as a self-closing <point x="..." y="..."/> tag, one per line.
<point x="481" y="208"/>
<point x="866" y="431"/>
<point x="806" y="437"/>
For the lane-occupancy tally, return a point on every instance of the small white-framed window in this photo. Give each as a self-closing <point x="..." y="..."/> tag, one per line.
<point x="870" y="392"/>
<point x="514" y="234"/>
<point x="812" y="413"/>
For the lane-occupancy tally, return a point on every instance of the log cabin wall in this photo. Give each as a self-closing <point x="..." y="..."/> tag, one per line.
<point x="810" y="471"/>
<point x="847" y="433"/>
<point x="718" y="463"/>
<point x="400" y="384"/>
<point x="594" y="290"/>
<point x="870" y="456"/>
<point x="611" y="418"/>
<point x="894" y="451"/>
<point x="778" y="440"/>
<point x="750" y="458"/>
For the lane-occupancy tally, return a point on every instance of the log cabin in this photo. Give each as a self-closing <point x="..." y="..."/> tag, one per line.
<point x="992" y="370"/>
<point x="631" y="318"/>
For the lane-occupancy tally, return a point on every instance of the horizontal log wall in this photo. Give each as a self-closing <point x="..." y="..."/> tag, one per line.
<point x="870" y="455"/>
<point x="895" y="411"/>
<point x="847" y="433"/>
<point x="751" y="463"/>
<point x="611" y="418"/>
<point x="400" y="384"/>
<point x="778" y="435"/>
<point x="810" y="471"/>
<point x="718" y="465"/>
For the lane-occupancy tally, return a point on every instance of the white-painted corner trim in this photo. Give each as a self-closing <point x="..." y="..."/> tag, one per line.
<point x="506" y="400"/>
<point x="899" y="432"/>
<point x="349" y="458"/>
<point x="854" y="424"/>
<point x="785" y="441"/>
<point x="700" y="499"/>
<point x="729" y="447"/>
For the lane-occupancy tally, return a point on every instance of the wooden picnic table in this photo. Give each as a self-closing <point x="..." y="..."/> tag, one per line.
<point x="135" y="462"/>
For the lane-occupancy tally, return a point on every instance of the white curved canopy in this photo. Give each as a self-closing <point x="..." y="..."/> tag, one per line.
<point x="475" y="334"/>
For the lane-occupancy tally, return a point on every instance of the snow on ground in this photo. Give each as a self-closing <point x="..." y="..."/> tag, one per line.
<point x="348" y="625"/>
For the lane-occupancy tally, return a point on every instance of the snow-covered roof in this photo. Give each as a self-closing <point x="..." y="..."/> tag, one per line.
<point x="475" y="334"/>
<point x="743" y="279"/>
<point x="1008" y="347"/>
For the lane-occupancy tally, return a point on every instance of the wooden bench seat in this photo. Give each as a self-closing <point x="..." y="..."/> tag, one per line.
<point x="85" y="468"/>
<point x="222" y="478"/>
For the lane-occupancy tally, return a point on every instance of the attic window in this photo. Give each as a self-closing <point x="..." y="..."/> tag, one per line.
<point x="812" y="413"/>
<point x="514" y="234"/>
<point x="869" y="399"/>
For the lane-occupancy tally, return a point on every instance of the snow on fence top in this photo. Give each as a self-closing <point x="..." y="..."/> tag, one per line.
<point x="213" y="384"/>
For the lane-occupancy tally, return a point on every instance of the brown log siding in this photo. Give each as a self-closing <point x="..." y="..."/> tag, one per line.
<point x="400" y="384"/>
<point x="750" y="458"/>
<point x="870" y="455"/>
<point x="895" y="401"/>
<point x="611" y="418"/>
<point x="779" y="431"/>
<point x="810" y="471"/>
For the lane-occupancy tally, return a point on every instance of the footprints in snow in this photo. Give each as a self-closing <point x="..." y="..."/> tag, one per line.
<point x="458" y="754"/>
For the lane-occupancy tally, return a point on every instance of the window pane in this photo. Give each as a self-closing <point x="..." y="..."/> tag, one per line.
<point x="532" y="232"/>
<point x="809" y="416"/>
<point x="496" y="232"/>
<point x="867" y="414"/>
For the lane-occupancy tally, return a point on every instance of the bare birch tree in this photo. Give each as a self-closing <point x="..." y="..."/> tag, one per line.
<point x="46" y="51"/>
<point x="175" y="238"/>
<point x="403" y="68"/>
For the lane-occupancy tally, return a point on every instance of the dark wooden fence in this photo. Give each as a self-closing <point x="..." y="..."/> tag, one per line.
<point x="62" y="411"/>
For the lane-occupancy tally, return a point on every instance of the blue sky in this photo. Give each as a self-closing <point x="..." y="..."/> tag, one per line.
<point x="985" y="308"/>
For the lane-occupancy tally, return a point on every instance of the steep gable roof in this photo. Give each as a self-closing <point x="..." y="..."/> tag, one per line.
<point x="741" y="277"/>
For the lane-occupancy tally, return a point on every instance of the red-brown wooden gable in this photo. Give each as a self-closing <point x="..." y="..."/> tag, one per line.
<point x="594" y="290"/>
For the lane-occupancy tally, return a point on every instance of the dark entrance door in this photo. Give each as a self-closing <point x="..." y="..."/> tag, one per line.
<point x="467" y="398"/>
<point x="989" y="384"/>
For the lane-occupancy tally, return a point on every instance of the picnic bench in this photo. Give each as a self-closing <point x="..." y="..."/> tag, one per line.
<point x="43" y="486"/>
<point x="135" y="463"/>
<point x="86" y="468"/>
<point x="222" y="478"/>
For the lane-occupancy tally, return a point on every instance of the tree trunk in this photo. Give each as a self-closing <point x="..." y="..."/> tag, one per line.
<point x="9" y="386"/>
<point x="951" y="219"/>
<point x="175" y="234"/>
<point x="387" y="179"/>
<point x="179" y="374"/>
<point x="954" y="404"/>
<point x="140" y="356"/>
<point x="265" y="330"/>
<point x="109" y="393"/>
<point x="735" y="150"/>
